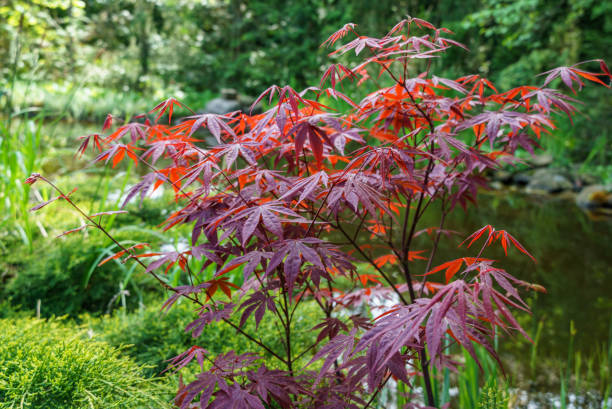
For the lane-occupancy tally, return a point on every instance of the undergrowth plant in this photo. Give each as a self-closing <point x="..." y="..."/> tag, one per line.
<point x="48" y="364"/>
<point x="19" y="148"/>
<point x="297" y="197"/>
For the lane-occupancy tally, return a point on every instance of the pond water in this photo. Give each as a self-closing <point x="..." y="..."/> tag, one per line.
<point x="574" y="263"/>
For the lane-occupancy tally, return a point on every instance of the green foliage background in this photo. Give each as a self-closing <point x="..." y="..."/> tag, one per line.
<point x="90" y="57"/>
<point x="152" y="337"/>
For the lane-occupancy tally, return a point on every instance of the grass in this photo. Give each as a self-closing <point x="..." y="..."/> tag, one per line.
<point x="477" y="387"/>
<point x="89" y="102"/>
<point x="583" y="375"/>
<point x="19" y="157"/>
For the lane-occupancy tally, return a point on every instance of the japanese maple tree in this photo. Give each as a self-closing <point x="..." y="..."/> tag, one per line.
<point x="297" y="197"/>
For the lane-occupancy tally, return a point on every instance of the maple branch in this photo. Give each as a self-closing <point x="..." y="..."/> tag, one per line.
<point x="369" y="260"/>
<point x="407" y="240"/>
<point x="143" y="265"/>
<point x="434" y="249"/>
<point x="406" y="268"/>
<point x="320" y="208"/>
<point x="358" y="229"/>
<point x="103" y="230"/>
<point x="165" y="178"/>
<point x="405" y="223"/>
<point x="301" y="354"/>
<point x="416" y="105"/>
<point x="283" y="289"/>
<point x="299" y="299"/>
<point x="256" y="341"/>
<point x="378" y="389"/>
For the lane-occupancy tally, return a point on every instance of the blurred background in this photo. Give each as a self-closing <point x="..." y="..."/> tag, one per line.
<point x="84" y="59"/>
<point x="66" y="64"/>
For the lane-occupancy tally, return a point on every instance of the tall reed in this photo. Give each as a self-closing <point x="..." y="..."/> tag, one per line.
<point x="19" y="157"/>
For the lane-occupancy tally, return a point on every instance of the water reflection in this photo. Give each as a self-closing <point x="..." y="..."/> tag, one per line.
<point x="574" y="262"/>
<point x="573" y="253"/>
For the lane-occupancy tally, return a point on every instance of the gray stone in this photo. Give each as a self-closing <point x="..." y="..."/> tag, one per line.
<point x="594" y="197"/>
<point x="521" y="178"/>
<point x="496" y="185"/>
<point x="538" y="161"/>
<point x="502" y="176"/>
<point x="549" y="181"/>
<point x="231" y="101"/>
<point x="221" y="106"/>
<point x="586" y="179"/>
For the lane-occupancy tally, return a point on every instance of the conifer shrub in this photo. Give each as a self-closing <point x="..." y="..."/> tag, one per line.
<point x="46" y="364"/>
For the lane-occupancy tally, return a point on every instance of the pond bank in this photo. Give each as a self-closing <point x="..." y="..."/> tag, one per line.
<point x="541" y="177"/>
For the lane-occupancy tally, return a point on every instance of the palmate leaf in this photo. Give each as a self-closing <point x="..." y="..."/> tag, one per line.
<point x="285" y="94"/>
<point x="503" y="236"/>
<point x="306" y="186"/>
<point x="315" y="135"/>
<point x="450" y="84"/>
<point x="296" y="252"/>
<point x="182" y="360"/>
<point x="97" y="143"/>
<point x="222" y="284"/>
<point x="339" y="346"/>
<point x="571" y="75"/>
<point x="136" y="130"/>
<point x="117" y="152"/>
<point x="257" y="304"/>
<point x="349" y="27"/>
<point x="452" y="267"/>
<point x="330" y="327"/>
<point x="208" y="314"/>
<point x="479" y="84"/>
<point x="215" y="124"/>
<point x="143" y="187"/>
<point x="547" y="98"/>
<point x="167" y="106"/>
<point x="362" y="42"/>
<point x="336" y="73"/>
<point x="236" y="398"/>
<point x="275" y="384"/>
<point x="266" y="213"/>
<point x="204" y="386"/>
<point x="415" y="43"/>
<point x="165" y="146"/>
<point x="420" y="23"/>
<point x="231" y="152"/>
<point x="252" y="259"/>
<point x="494" y="120"/>
<point x="355" y="189"/>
